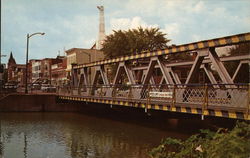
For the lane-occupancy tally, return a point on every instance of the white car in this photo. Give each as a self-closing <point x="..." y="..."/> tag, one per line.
<point x="48" y="88"/>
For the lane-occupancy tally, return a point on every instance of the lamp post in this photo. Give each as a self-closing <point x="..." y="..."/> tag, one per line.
<point x="27" y="53"/>
<point x="0" y="48"/>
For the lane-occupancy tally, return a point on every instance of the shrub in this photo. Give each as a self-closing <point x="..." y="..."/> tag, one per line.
<point x="208" y="144"/>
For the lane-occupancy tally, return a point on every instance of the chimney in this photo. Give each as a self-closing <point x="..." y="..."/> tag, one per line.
<point x="101" y="34"/>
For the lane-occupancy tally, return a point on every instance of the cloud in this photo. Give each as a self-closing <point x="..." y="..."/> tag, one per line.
<point x="246" y="21"/>
<point x="196" y="37"/>
<point x="146" y="7"/>
<point x="120" y="23"/>
<point x="198" y="7"/>
<point x="75" y="23"/>
<point x="172" y="30"/>
<point x="129" y="23"/>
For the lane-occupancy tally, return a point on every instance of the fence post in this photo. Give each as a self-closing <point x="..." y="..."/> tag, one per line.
<point x="88" y="88"/>
<point x="173" y="97"/>
<point x="248" y="102"/>
<point x="71" y="90"/>
<point x="113" y="92"/>
<point x="148" y="99"/>
<point x="206" y="93"/>
<point x="57" y="90"/>
<point x="79" y="90"/>
<point x="205" y="104"/>
<point x="101" y="93"/>
<point x="130" y="92"/>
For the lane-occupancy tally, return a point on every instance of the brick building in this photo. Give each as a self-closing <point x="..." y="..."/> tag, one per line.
<point x="35" y="70"/>
<point x="58" y="72"/>
<point x="16" y="72"/>
<point x="41" y="70"/>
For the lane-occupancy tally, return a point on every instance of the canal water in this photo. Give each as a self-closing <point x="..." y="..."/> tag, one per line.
<point x="76" y="135"/>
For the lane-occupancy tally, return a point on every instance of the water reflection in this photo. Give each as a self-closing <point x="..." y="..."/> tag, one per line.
<point x="66" y="135"/>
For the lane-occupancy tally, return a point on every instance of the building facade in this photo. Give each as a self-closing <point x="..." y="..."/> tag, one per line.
<point x="36" y="72"/>
<point x="58" y="73"/>
<point x="41" y="70"/>
<point x="16" y="72"/>
<point x="82" y="56"/>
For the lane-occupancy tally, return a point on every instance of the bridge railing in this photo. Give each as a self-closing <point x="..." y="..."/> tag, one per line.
<point x="208" y="95"/>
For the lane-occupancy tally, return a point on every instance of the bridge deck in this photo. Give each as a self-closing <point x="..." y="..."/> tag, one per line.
<point x="228" y="102"/>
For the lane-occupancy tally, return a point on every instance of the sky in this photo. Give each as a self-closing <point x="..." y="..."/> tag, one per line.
<point x="74" y="23"/>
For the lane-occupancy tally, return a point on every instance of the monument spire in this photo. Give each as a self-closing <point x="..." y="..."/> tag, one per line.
<point x="101" y="34"/>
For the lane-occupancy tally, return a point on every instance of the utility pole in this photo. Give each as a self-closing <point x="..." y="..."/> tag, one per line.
<point x="1" y="67"/>
<point x="27" y="58"/>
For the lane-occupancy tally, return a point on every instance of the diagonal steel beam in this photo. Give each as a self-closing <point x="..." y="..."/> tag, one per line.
<point x="80" y="83"/>
<point x="205" y="61"/>
<point x="74" y="78"/>
<point x="210" y="75"/>
<point x="129" y="73"/>
<point x="196" y="66"/>
<point x="149" y="71"/>
<point x="175" y="76"/>
<point x="151" y="80"/>
<point x="238" y="69"/>
<point x="118" y="74"/>
<point x="95" y="79"/>
<point x="86" y="76"/>
<point x="219" y="67"/>
<point x="165" y="72"/>
<point x="83" y="79"/>
<point x="86" y="80"/>
<point x="104" y="75"/>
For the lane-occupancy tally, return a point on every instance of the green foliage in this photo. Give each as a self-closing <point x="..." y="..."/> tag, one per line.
<point x="243" y="76"/>
<point x="180" y="57"/>
<point x="134" y="41"/>
<point x="208" y="144"/>
<point x="240" y="49"/>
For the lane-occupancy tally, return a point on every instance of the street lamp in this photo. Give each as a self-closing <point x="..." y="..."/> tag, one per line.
<point x="27" y="52"/>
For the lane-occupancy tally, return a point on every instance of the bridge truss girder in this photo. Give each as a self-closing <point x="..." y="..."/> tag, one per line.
<point x="201" y="62"/>
<point x="207" y="60"/>
<point x="123" y="67"/>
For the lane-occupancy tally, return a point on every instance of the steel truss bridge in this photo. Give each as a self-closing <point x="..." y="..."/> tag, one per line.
<point x="133" y="82"/>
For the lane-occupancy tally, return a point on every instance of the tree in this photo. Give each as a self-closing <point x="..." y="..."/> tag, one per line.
<point x="134" y="41"/>
<point x="240" y="49"/>
<point x="243" y="75"/>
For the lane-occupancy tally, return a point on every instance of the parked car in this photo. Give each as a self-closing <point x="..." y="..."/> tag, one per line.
<point x="48" y="88"/>
<point x="10" y="87"/>
<point x="36" y="87"/>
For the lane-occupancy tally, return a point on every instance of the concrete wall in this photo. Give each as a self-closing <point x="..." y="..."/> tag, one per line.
<point x="35" y="103"/>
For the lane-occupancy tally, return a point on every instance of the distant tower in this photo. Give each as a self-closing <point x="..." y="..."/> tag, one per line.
<point x="101" y="34"/>
<point x="11" y="67"/>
